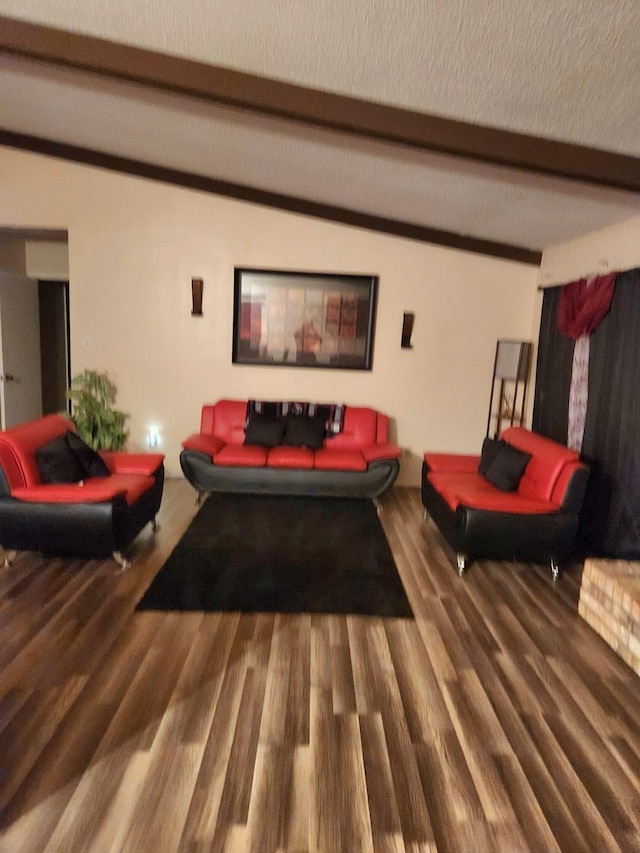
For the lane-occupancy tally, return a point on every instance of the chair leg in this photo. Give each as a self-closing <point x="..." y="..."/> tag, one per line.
<point x="461" y="561"/>
<point x="121" y="560"/>
<point x="555" y="569"/>
<point x="9" y="557"/>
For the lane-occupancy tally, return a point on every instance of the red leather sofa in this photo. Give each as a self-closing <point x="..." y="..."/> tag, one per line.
<point x="95" y="517"/>
<point x="537" y="522"/>
<point x="358" y="462"/>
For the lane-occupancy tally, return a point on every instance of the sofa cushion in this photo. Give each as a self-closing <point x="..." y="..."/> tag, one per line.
<point x="265" y="430"/>
<point x="305" y="431"/>
<point x="339" y="460"/>
<point x="248" y="455"/>
<point x="91" y="462"/>
<point x="475" y="491"/>
<point x="451" y="484"/>
<point x="95" y="490"/>
<point x="491" y="447"/>
<point x="507" y="467"/>
<point x="290" y="457"/>
<point x="57" y="463"/>
<point x="451" y="462"/>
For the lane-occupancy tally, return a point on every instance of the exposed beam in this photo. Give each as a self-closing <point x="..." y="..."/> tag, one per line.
<point x="311" y="106"/>
<point x="254" y="195"/>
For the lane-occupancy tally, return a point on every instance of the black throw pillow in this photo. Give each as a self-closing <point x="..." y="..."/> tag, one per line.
<point x="266" y="430"/>
<point x="91" y="462"/>
<point x="507" y="468"/>
<point x="490" y="449"/>
<point x="305" y="431"/>
<point x="57" y="463"/>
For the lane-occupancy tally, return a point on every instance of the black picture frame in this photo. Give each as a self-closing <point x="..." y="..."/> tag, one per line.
<point x="283" y="318"/>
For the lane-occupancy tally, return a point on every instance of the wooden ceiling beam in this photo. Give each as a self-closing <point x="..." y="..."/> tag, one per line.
<point x="253" y="195"/>
<point x="318" y="108"/>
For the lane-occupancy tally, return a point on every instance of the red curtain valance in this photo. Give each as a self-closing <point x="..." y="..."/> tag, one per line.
<point x="583" y="305"/>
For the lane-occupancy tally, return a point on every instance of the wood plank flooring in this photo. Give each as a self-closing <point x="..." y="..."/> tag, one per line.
<point x="496" y="721"/>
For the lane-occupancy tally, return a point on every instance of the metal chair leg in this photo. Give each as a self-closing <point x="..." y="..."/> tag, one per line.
<point x="121" y="560"/>
<point x="9" y="557"/>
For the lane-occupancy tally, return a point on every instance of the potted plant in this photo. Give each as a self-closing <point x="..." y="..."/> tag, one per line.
<point x="98" y="423"/>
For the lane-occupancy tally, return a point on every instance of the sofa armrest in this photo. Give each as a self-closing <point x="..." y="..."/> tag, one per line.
<point x="386" y="450"/>
<point x="120" y="462"/>
<point x="92" y="491"/>
<point x="203" y="443"/>
<point x="459" y="463"/>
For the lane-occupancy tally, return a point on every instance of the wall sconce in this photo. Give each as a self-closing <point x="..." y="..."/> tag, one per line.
<point x="153" y="439"/>
<point x="197" y="286"/>
<point x="407" y="330"/>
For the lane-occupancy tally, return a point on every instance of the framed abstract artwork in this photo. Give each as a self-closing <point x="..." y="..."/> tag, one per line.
<point x="304" y="319"/>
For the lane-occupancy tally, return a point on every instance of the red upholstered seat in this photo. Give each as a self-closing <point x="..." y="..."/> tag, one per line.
<point x="241" y="454"/>
<point x="284" y="456"/>
<point x="453" y="462"/>
<point x="473" y="490"/>
<point x="94" y="490"/>
<point x="339" y="460"/>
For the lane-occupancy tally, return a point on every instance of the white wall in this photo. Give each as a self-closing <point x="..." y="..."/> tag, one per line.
<point x="135" y="245"/>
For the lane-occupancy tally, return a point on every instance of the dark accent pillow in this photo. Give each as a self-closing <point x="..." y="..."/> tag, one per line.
<point x="507" y="468"/>
<point x="490" y="449"/>
<point x="57" y="463"/>
<point x="305" y="431"/>
<point x="91" y="462"/>
<point x="265" y="430"/>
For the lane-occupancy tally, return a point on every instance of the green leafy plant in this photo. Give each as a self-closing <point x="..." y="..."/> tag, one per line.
<point x="92" y="396"/>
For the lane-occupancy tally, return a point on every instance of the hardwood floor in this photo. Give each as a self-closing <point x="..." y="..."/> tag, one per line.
<point x="496" y="721"/>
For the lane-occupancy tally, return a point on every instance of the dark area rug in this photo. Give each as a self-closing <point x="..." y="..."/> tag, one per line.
<point x="259" y="553"/>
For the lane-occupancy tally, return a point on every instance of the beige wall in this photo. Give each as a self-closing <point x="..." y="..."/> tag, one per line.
<point x="134" y="247"/>
<point x="614" y="248"/>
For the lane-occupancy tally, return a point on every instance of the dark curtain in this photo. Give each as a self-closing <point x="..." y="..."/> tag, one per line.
<point x="611" y="446"/>
<point x="611" y="442"/>
<point x="553" y="373"/>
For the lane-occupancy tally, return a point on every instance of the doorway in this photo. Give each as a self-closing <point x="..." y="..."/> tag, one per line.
<point x="55" y="361"/>
<point x="35" y="364"/>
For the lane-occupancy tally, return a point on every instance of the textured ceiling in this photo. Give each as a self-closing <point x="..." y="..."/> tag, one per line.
<point x="568" y="71"/>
